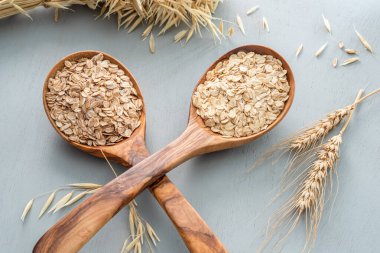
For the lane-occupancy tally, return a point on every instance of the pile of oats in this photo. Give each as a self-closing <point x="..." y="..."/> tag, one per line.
<point x="93" y="102"/>
<point x="242" y="95"/>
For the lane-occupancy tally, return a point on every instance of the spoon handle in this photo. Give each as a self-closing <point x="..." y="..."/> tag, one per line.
<point x="81" y="224"/>
<point x="196" y="234"/>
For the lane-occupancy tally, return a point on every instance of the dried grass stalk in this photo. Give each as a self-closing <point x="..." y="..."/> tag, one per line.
<point x="13" y="7"/>
<point x="165" y="14"/>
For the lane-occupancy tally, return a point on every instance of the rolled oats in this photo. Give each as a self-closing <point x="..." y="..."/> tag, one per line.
<point x="93" y="102"/>
<point x="242" y="95"/>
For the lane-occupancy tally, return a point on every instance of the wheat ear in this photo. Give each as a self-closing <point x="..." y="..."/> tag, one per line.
<point x="309" y="197"/>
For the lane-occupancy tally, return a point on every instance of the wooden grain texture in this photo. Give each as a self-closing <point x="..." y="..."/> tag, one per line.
<point x="196" y="234"/>
<point x="78" y="226"/>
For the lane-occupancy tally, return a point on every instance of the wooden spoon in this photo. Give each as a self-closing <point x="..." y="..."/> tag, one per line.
<point x="194" y="231"/>
<point x="78" y="226"/>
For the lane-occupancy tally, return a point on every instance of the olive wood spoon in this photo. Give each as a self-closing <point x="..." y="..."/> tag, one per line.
<point x="194" y="231"/>
<point x="78" y="226"/>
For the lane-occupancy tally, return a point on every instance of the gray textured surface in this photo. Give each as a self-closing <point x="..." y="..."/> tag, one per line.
<point x="33" y="159"/>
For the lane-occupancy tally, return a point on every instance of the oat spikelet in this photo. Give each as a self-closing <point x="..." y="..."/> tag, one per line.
<point x="335" y="62"/>
<point x="86" y="186"/>
<point x="230" y="31"/>
<point x="61" y="202"/>
<point x="252" y="10"/>
<point x="350" y="61"/>
<point x="240" y="24"/>
<point x="364" y="42"/>
<point x="299" y="50"/>
<point x="327" y="23"/>
<point x="265" y="24"/>
<point x="152" y="44"/>
<point x="76" y="198"/>
<point x="180" y="35"/>
<point x="26" y="209"/>
<point x="152" y="234"/>
<point x="221" y="27"/>
<point x="321" y="49"/>
<point x="47" y="203"/>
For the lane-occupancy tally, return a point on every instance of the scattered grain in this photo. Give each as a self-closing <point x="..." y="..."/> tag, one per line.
<point x="335" y="62"/>
<point x="364" y="42"/>
<point x="321" y="49"/>
<point x="327" y="24"/>
<point x="341" y="44"/>
<point x="26" y="209"/>
<point x="265" y="24"/>
<point x="350" y="51"/>
<point x="299" y="50"/>
<point x="252" y="10"/>
<point x="240" y="24"/>
<point x="349" y="61"/>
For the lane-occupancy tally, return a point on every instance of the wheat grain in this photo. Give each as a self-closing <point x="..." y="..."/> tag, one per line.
<point x="240" y="24"/>
<point x="299" y="50"/>
<point x="321" y="49"/>
<point x="364" y="42"/>
<point x="341" y="44"/>
<point x="26" y="209"/>
<point x="327" y="24"/>
<point x="350" y="61"/>
<point x="47" y="204"/>
<point x="335" y="62"/>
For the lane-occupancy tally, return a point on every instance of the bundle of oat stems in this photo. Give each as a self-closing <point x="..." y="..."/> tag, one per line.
<point x="165" y="14"/>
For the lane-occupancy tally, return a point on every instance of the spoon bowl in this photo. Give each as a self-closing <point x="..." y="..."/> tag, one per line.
<point x="123" y="151"/>
<point x="221" y="142"/>
<point x="77" y="227"/>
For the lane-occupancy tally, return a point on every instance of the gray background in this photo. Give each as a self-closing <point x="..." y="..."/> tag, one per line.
<point x="33" y="158"/>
